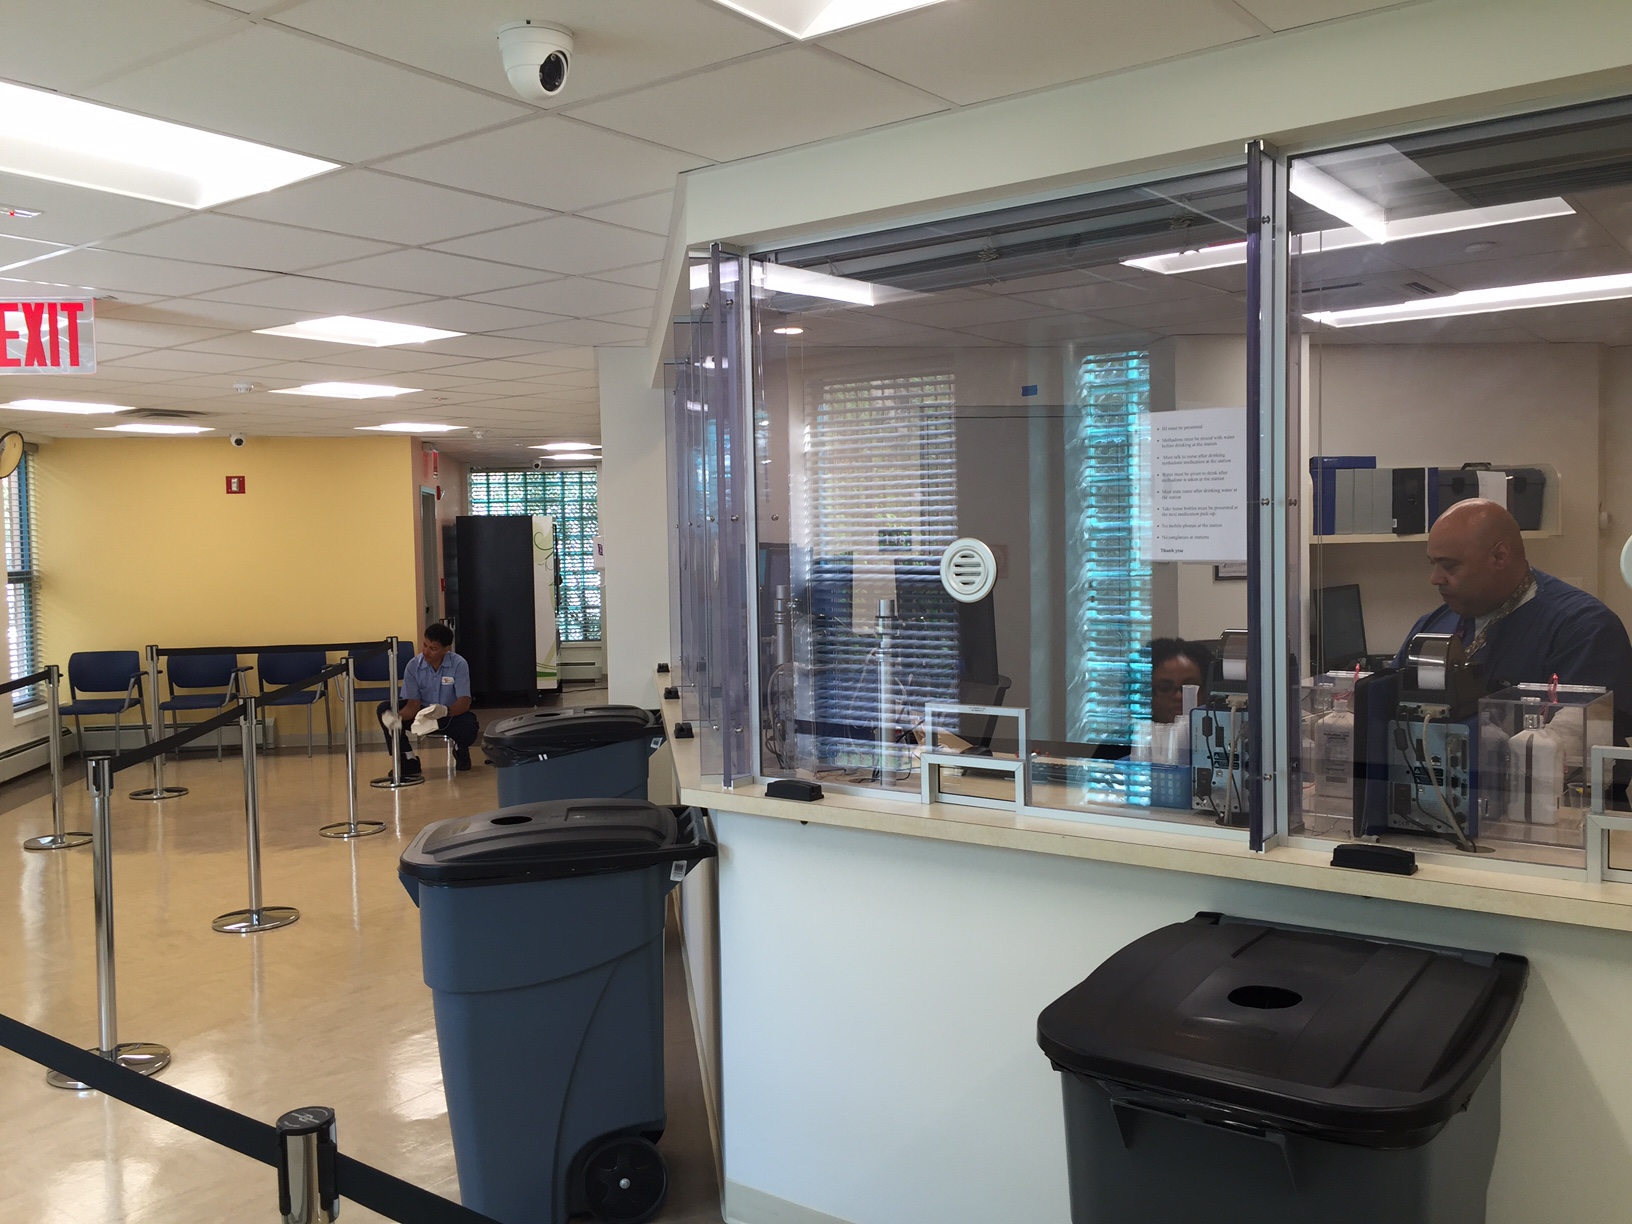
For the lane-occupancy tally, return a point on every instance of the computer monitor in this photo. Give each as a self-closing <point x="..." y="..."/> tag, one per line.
<point x="1339" y="630"/>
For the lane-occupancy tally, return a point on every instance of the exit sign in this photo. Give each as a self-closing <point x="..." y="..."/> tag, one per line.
<point x="235" y="484"/>
<point x="49" y="336"/>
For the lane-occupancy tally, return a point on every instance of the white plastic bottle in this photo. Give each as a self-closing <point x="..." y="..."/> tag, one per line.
<point x="1535" y="773"/>
<point x="1334" y="750"/>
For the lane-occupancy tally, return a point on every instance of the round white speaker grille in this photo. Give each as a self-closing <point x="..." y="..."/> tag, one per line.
<point x="968" y="570"/>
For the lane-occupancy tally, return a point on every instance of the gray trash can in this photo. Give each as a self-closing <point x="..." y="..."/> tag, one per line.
<point x="541" y="928"/>
<point x="596" y="752"/>
<point x="1242" y="1073"/>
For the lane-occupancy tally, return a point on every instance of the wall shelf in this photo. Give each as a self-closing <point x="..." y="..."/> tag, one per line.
<point x="1391" y="538"/>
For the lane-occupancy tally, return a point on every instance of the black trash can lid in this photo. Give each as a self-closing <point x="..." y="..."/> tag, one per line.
<point x="551" y="840"/>
<point x="1355" y="1040"/>
<point x="550" y="733"/>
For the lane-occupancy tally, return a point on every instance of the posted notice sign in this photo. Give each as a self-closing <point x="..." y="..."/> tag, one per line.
<point x="1199" y="484"/>
<point x="49" y="336"/>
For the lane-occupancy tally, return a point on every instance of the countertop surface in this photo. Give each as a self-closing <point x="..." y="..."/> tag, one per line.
<point x="1487" y="887"/>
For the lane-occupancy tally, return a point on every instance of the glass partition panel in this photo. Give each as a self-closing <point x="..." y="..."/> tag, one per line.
<point x="1464" y="299"/>
<point x="1001" y="463"/>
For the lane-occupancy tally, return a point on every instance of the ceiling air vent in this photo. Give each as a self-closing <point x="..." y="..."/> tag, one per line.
<point x="1421" y="289"/>
<point x="167" y="414"/>
<point x="968" y="570"/>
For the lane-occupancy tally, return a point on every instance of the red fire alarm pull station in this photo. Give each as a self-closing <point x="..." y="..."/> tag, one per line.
<point x="235" y="484"/>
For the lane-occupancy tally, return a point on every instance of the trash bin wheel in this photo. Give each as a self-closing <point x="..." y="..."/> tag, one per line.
<point x="625" y="1181"/>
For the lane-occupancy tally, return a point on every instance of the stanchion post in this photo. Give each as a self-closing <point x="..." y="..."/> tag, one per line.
<point x="59" y="838"/>
<point x="140" y="1056"/>
<point x="307" y="1148"/>
<point x="352" y="827"/>
<point x="394" y="780"/>
<point x="155" y="721"/>
<point x="257" y="917"/>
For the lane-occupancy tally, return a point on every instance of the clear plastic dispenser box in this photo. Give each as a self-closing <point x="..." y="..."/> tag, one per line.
<point x="541" y="928"/>
<point x="1535" y="761"/>
<point x="1236" y="1072"/>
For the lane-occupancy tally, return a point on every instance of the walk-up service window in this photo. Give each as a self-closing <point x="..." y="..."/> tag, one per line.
<point x="1464" y="301"/>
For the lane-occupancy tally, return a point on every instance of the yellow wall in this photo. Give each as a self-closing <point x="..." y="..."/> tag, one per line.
<point x="140" y="543"/>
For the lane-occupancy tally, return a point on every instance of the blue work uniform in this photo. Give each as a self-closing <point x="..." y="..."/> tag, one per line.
<point x="436" y="685"/>
<point x="1559" y="631"/>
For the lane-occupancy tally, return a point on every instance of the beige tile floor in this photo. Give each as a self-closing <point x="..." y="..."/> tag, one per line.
<point x="331" y="1010"/>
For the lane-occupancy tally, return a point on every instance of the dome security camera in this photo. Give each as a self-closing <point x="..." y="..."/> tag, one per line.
<point x="538" y="465"/>
<point x="536" y="59"/>
<point x="238" y="440"/>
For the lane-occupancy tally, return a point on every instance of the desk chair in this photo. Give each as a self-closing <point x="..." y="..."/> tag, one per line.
<point x="105" y="671"/>
<point x="217" y="673"/>
<point x="277" y="670"/>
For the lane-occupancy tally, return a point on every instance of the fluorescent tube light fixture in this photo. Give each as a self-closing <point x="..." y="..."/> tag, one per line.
<point x="789" y="331"/>
<point x="1316" y="187"/>
<point x="1485" y="301"/>
<point x="779" y="278"/>
<point x="345" y="390"/>
<point x="575" y="457"/>
<point x="154" y="427"/>
<point x="411" y="427"/>
<point x="63" y="140"/>
<point x="71" y="407"/>
<point x="1228" y="254"/>
<point x="370" y="333"/>
<point x="567" y="446"/>
<point x="812" y="18"/>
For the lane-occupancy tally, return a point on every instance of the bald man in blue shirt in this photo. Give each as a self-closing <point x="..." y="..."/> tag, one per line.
<point x="1521" y="625"/>
<point x="435" y="677"/>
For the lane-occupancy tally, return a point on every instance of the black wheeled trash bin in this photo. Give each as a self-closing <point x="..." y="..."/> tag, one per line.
<point x="541" y="928"/>
<point x="1237" y="1072"/>
<point x="597" y="752"/>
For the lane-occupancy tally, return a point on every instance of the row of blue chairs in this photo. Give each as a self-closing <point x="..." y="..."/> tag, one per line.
<point x="103" y="682"/>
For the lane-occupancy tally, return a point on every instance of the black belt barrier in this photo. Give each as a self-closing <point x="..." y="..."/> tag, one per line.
<point x="362" y="1184"/>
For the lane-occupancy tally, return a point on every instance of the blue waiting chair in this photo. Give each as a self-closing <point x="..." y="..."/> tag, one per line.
<point x="279" y="669"/>
<point x="104" y="671"/>
<point x="374" y="675"/>
<point x="215" y="681"/>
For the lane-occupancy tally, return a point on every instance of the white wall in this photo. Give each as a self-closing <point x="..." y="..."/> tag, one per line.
<point x="879" y="1002"/>
<point x="633" y="516"/>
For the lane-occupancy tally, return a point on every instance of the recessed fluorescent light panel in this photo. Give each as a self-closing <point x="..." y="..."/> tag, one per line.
<point x="1227" y="254"/>
<point x="63" y="140"/>
<point x="568" y="446"/>
<point x="345" y="390"/>
<point x="411" y="427"/>
<point x="154" y="427"/>
<point x="1485" y="301"/>
<point x="371" y="333"/>
<point x="575" y="457"/>
<point x="802" y="282"/>
<point x="813" y="18"/>
<point x="71" y="407"/>
<point x="1316" y="187"/>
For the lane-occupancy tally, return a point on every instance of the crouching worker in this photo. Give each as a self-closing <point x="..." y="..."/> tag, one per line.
<point x="435" y="697"/>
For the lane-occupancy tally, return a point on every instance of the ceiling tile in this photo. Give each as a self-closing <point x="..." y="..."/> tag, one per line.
<point x="261" y="348"/>
<point x="235" y="242"/>
<point x="406" y="359"/>
<point x="642" y="276"/>
<point x="384" y="207"/>
<point x="274" y="86"/>
<point x="971" y="52"/>
<point x="21" y="251"/>
<point x="429" y="272"/>
<point x="465" y="315"/>
<point x="577" y="296"/>
<point x="521" y="162"/>
<point x="76" y="215"/>
<point x="615" y="46"/>
<point x="67" y="43"/>
<point x="179" y="361"/>
<point x="195" y="312"/>
<point x="1286" y="14"/>
<point x="116" y="271"/>
<point x="799" y="95"/>
<point x="480" y="347"/>
<point x="652" y="213"/>
<point x="306" y="297"/>
<point x="581" y="331"/>
<point x="571" y="245"/>
<point x="634" y="318"/>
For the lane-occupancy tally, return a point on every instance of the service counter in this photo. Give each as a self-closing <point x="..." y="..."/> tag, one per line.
<point x="866" y="976"/>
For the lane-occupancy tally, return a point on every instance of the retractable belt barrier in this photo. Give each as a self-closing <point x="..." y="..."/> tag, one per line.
<point x="311" y="1176"/>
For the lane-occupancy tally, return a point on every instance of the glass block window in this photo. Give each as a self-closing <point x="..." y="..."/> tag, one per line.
<point x="17" y="504"/>
<point x="569" y="496"/>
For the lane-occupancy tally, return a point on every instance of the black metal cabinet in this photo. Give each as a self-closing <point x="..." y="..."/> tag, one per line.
<point x="493" y="594"/>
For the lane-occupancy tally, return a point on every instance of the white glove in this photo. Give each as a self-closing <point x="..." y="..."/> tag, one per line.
<point x="427" y="718"/>
<point x="392" y="720"/>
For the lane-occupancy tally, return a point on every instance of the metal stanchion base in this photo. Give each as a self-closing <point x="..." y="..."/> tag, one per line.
<point x="390" y="783"/>
<point x="250" y="922"/>
<point x="345" y="829"/>
<point x="142" y="1057"/>
<point x="149" y="792"/>
<point x="52" y="842"/>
